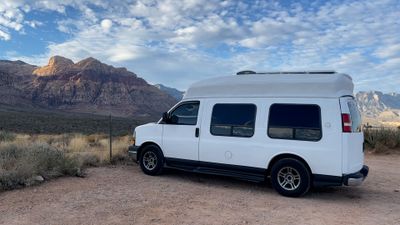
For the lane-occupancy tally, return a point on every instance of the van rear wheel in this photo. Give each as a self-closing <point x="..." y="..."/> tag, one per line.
<point x="151" y="160"/>
<point x="290" y="177"/>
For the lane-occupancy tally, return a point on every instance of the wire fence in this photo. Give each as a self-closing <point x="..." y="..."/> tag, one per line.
<point x="371" y="127"/>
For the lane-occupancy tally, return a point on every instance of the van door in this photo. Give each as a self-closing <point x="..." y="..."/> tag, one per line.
<point x="180" y="134"/>
<point x="228" y="138"/>
<point x="352" y="136"/>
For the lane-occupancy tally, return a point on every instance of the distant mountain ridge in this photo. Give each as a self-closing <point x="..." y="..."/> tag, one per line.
<point x="88" y="86"/>
<point x="378" y="108"/>
<point x="177" y="94"/>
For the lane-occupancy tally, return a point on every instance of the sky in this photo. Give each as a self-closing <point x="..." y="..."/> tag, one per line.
<point x="179" y="42"/>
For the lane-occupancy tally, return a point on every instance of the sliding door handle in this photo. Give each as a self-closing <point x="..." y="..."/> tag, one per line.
<point x="197" y="132"/>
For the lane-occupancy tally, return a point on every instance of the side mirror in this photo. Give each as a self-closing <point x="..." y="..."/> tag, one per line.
<point x="174" y="119"/>
<point x="165" y="117"/>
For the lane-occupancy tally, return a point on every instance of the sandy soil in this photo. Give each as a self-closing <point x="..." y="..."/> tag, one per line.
<point x="124" y="195"/>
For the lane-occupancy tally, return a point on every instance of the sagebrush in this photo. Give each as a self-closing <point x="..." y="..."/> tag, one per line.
<point x="382" y="140"/>
<point x="24" y="157"/>
<point x="20" y="164"/>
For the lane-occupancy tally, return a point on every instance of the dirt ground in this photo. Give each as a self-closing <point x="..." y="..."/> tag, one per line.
<point x="124" y="195"/>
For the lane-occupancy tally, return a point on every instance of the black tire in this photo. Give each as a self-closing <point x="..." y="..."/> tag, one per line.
<point x="290" y="177"/>
<point x="151" y="160"/>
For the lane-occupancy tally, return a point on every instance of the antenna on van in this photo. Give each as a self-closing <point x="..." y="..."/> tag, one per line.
<point x="301" y="72"/>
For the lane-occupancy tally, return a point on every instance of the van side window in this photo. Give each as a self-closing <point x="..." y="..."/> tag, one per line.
<point x="185" y="114"/>
<point x="236" y="120"/>
<point x="295" y="121"/>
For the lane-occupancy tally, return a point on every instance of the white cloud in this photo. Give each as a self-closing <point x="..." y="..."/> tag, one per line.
<point x="106" y="24"/>
<point x="5" y="36"/>
<point x="177" y="42"/>
<point x="11" y="16"/>
<point x="121" y="53"/>
<point x="388" y="51"/>
<point x="391" y="64"/>
<point x="12" y="12"/>
<point x="34" y="23"/>
<point x="209" y="32"/>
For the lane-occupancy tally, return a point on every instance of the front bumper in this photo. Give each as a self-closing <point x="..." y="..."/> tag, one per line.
<point x="355" y="179"/>
<point x="132" y="152"/>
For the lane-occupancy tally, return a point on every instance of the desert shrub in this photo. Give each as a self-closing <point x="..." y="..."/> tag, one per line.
<point x="93" y="139"/>
<point x="120" y="159"/>
<point x="6" y="136"/>
<point x="20" y="163"/>
<point x="382" y="140"/>
<point x="88" y="159"/>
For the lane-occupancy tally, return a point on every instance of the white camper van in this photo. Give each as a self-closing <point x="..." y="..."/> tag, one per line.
<point x="300" y="129"/>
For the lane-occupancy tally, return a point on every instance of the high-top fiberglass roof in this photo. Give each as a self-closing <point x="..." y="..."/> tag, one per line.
<point x="323" y="85"/>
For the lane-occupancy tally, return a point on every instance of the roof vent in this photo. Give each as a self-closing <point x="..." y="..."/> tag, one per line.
<point x="245" y="72"/>
<point x="301" y="72"/>
<point x="250" y="72"/>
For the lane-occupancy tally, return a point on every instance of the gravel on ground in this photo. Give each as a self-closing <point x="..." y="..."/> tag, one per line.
<point x="124" y="195"/>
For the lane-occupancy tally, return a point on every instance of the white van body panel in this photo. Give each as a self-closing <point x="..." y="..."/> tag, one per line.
<point x="258" y="150"/>
<point x="353" y="156"/>
<point x="278" y="85"/>
<point x="179" y="141"/>
<point x="150" y="132"/>
<point x="352" y="143"/>
<point x="335" y="158"/>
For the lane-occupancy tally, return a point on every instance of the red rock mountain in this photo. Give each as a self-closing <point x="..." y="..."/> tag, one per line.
<point x="88" y="86"/>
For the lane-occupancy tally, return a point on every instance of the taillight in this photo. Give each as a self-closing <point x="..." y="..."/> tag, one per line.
<point x="346" y="123"/>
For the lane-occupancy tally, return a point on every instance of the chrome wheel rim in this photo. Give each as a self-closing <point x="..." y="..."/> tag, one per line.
<point x="289" y="178"/>
<point x="149" y="160"/>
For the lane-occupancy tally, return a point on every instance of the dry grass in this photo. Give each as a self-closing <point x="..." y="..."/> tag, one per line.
<point x="22" y="163"/>
<point x="382" y="140"/>
<point x="24" y="157"/>
<point x="93" y="147"/>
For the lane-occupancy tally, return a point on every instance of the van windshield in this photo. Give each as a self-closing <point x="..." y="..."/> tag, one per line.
<point x="355" y="116"/>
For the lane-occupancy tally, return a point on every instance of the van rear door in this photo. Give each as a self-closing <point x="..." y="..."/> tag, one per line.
<point x="352" y="136"/>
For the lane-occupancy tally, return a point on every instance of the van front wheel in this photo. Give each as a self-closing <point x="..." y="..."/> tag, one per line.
<point x="290" y="177"/>
<point x="151" y="160"/>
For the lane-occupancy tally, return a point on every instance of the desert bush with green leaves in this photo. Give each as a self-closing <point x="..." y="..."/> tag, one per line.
<point x="24" y="158"/>
<point x="382" y="140"/>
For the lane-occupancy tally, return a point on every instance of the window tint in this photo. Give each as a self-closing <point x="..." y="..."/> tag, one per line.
<point x="185" y="114"/>
<point x="355" y="116"/>
<point x="233" y="120"/>
<point x="295" y="121"/>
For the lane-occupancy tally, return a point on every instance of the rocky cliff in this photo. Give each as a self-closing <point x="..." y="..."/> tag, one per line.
<point x="378" y="108"/>
<point x="88" y="86"/>
<point x="178" y="95"/>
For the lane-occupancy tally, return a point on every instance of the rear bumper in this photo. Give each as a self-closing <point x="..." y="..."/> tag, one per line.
<point x="132" y="152"/>
<point x="352" y="179"/>
<point x="355" y="179"/>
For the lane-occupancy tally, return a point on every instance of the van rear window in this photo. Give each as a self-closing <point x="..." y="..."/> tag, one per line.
<point x="295" y="122"/>
<point x="355" y="116"/>
<point x="233" y="120"/>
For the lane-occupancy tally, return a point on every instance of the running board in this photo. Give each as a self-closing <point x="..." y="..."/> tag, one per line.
<point x="240" y="172"/>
